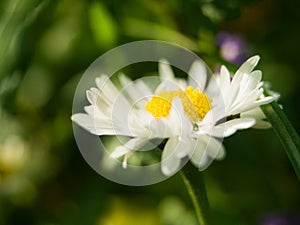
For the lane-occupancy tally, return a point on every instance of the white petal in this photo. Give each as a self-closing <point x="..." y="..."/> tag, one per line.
<point x="230" y="95"/>
<point x="119" y="151"/>
<point x="143" y="124"/>
<point x="265" y="100"/>
<point x="242" y="82"/>
<point x="168" y="79"/>
<point x="249" y="89"/>
<point x="179" y="123"/>
<point x="215" y="149"/>
<point x="207" y="149"/>
<point x="206" y="160"/>
<point x="236" y="124"/>
<point x="165" y="70"/>
<point x="120" y="114"/>
<point x="258" y="103"/>
<point x="225" y="77"/>
<point x="248" y="66"/>
<point x="166" y="85"/>
<point x="256" y="77"/>
<point x="199" y="151"/>
<point x="197" y="75"/>
<point x="92" y="95"/>
<point x="98" y="127"/>
<point x="244" y="102"/>
<point x="138" y="91"/>
<point x="139" y="86"/>
<point x="258" y="114"/>
<point x="213" y="89"/>
<point x="93" y="110"/>
<point x="157" y="128"/>
<point x="166" y="73"/>
<point x="170" y="162"/>
<point x="133" y="144"/>
<point x="124" y="80"/>
<point x="261" y="124"/>
<point x="276" y="95"/>
<point x="228" y="128"/>
<point x="140" y="94"/>
<point x="107" y="88"/>
<point x="181" y="83"/>
<point x="90" y="109"/>
<point x="176" y="149"/>
<point x="214" y="115"/>
<point x="143" y="88"/>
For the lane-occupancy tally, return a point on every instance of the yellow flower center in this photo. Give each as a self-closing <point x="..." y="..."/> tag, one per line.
<point x="196" y="104"/>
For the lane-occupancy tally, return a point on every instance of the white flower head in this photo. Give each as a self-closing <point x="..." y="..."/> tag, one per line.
<point x="191" y="116"/>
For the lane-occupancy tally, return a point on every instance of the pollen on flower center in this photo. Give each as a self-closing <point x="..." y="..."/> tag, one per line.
<point x="196" y="104"/>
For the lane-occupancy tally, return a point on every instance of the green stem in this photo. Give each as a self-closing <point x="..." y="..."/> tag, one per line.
<point x="194" y="182"/>
<point x="285" y="132"/>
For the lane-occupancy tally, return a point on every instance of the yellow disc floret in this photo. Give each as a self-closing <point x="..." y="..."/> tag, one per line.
<point x="196" y="104"/>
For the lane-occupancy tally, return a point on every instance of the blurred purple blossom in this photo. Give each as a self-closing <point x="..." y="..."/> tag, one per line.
<point x="280" y="219"/>
<point x="233" y="48"/>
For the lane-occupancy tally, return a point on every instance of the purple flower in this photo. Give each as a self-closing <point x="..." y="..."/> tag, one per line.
<point x="233" y="48"/>
<point x="280" y="219"/>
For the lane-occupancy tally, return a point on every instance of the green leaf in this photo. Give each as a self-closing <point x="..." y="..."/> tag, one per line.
<point x="143" y="29"/>
<point x="103" y="26"/>
<point x="285" y="132"/>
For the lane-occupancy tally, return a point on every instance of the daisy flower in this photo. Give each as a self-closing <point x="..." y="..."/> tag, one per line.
<point x="191" y="116"/>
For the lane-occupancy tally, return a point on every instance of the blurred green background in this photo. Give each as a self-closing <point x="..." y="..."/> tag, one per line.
<point x="46" y="45"/>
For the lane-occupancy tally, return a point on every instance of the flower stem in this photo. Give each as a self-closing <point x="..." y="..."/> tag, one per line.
<point x="194" y="182"/>
<point x="285" y="132"/>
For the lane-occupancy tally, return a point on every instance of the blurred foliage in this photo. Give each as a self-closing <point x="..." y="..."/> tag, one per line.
<point x="46" y="45"/>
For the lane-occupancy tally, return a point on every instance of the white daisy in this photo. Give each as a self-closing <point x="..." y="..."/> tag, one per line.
<point x="242" y="93"/>
<point x="190" y="115"/>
